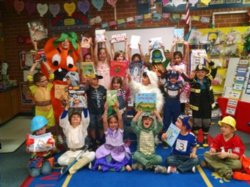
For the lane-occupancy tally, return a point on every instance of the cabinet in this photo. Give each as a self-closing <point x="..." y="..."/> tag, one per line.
<point x="9" y="106"/>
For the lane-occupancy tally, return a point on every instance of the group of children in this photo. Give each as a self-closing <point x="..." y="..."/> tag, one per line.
<point x="99" y="121"/>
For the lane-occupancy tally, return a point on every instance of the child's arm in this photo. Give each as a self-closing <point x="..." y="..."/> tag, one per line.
<point x="112" y="50"/>
<point x="96" y="53"/>
<point x="141" y="53"/>
<point x="137" y="115"/>
<point x="186" y="53"/>
<point x="193" y="153"/>
<point x="120" y="121"/>
<point x="126" y="49"/>
<point x="108" y="53"/>
<point x="105" y="120"/>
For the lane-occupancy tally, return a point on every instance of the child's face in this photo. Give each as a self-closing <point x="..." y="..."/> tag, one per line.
<point x="65" y="44"/>
<point x="145" y="80"/>
<point x="201" y="74"/>
<point x="226" y="129"/>
<point x="147" y="122"/>
<point x="136" y="59"/>
<point x="87" y="58"/>
<point x="41" y="131"/>
<point x="113" y="123"/>
<point x="178" y="123"/>
<point x="75" y="119"/>
<point x="177" y="59"/>
<point x="102" y="55"/>
<point x="116" y="85"/>
<point x="94" y="82"/>
<point x="43" y="81"/>
<point x="173" y="80"/>
<point x="120" y="57"/>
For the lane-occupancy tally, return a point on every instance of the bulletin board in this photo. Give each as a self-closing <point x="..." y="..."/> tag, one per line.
<point x="166" y="33"/>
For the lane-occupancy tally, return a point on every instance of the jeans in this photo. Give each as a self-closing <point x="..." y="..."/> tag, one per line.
<point x="44" y="170"/>
<point x="183" y="163"/>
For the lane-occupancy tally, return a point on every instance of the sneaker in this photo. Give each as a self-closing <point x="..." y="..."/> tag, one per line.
<point x="193" y="169"/>
<point x="160" y="169"/>
<point x="137" y="166"/>
<point x="171" y="169"/>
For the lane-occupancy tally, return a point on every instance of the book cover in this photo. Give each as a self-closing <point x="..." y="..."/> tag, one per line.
<point x="145" y="102"/>
<point x="100" y="35"/>
<point x="135" y="69"/>
<point x="112" y="97"/>
<point x="77" y="97"/>
<point x="118" y="38"/>
<point x="40" y="143"/>
<point x="172" y="134"/>
<point x="134" y="41"/>
<point x="87" y="70"/>
<point x="61" y="91"/>
<point x="37" y="30"/>
<point x="118" y="68"/>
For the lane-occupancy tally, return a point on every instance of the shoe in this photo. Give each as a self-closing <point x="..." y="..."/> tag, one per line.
<point x="171" y="169"/>
<point x="137" y="166"/>
<point x="160" y="169"/>
<point x="228" y="175"/>
<point x="193" y="169"/>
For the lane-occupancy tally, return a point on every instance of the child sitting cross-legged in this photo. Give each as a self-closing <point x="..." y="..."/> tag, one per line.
<point x="113" y="154"/>
<point x="183" y="157"/>
<point x="226" y="150"/>
<point x="146" y="126"/>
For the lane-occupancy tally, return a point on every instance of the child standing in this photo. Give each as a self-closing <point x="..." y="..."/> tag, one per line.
<point x="40" y="163"/>
<point x="183" y="157"/>
<point x="114" y="154"/>
<point x="201" y="99"/>
<point x="40" y="89"/>
<point x="226" y="150"/>
<point x="75" y="130"/>
<point x="96" y="95"/>
<point x="146" y="126"/>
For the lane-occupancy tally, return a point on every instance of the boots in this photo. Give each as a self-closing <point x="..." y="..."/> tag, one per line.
<point x="79" y="164"/>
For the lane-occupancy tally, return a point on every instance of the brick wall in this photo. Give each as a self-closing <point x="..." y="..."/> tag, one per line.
<point x="15" y="25"/>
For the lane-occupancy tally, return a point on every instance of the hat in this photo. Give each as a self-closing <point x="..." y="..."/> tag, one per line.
<point x="172" y="74"/>
<point x="98" y="76"/>
<point x="186" y="121"/>
<point x="37" y="123"/>
<point x="229" y="121"/>
<point x="201" y="67"/>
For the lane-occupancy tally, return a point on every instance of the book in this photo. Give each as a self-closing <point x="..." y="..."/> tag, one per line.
<point x="179" y="35"/>
<point x="145" y="102"/>
<point x="100" y="35"/>
<point x="172" y="134"/>
<point x="37" y="30"/>
<point x="118" y="38"/>
<point x="112" y="98"/>
<point x="87" y="70"/>
<point x="86" y="42"/>
<point x="40" y="143"/>
<point x="118" y="68"/>
<point x="61" y="91"/>
<point x="77" y="97"/>
<point x="135" y="69"/>
<point x="134" y="41"/>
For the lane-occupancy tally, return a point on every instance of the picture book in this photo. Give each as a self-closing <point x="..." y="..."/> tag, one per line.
<point x="134" y="41"/>
<point x="179" y="35"/>
<point x="77" y="97"/>
<point x="112" y="97"/>
<point x="118" y="68"/>
<point x="172" y="134"/>
<point x="61" y="91"/>
<point x="37" y="30"/>
<point x="145" y="102"/>
<point x="135" y="69"/>
<point x="86" y="42"/>
<point x="40" y="143"/>
<point x="100" y="35"/>
<point x="198" y="56"/>
<point x="118" y="38"/>
<point x="87" y="70"/>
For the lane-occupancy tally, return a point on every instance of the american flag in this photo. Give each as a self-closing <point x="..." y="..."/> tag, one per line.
<point x="188" y="18"/>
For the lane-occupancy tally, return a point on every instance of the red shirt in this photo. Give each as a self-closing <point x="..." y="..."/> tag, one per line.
<point x="233" y="145"/>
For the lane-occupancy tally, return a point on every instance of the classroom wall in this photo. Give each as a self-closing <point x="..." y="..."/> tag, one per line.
<point x="15" y="25"/>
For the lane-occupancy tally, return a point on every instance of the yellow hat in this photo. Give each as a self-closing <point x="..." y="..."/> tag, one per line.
<point x="229" y="121"/>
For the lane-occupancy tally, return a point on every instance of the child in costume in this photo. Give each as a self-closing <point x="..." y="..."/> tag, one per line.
<point x="42" y="162"/>
<point x="146" y="126"/>
<point x="114" y="154"/>
<point x="40" y="89"/>
<point x="201" y="98"/>
<point x="183" y="157"/>
<point x="226" y="150"/>
<point x="75" y="130"/>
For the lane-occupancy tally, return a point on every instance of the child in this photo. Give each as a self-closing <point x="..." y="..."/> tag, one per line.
<point x="145" y="126"/>
<point x="149" y="84"/>
<point x="183" y="157"/>
<point x="40" y="89"/>
<point x="40" y="163"/>
<point x="201" y="99"/>
<point x="96" y="95"/>
<point x="226" y="149"/>
<point x="179" y="63"/>
<point x="114" y="154"/>
<point x="75" y="130"/>
<point x="102" y="64"/>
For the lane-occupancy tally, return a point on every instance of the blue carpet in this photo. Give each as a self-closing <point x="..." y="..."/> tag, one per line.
<point x="86" y="177"/>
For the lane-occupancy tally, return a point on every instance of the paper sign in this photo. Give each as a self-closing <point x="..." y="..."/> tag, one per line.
<point x="100" y="35"/>
<point x="134" y="41"/>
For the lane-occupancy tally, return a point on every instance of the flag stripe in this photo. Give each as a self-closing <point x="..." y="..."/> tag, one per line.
<point x="187" y="13"/>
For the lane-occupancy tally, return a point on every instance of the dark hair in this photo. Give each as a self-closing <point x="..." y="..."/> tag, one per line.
<point x="117" y="80"/>
<point x="145" y="74"/>
<point x="178" y="53"/>
<point x="84" y="57"/>
<point x="136" y="55"/>
<point x="118" y="53"/>
<point x="74" y="112"/>
<point x="37" y="77"/>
